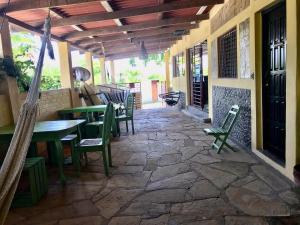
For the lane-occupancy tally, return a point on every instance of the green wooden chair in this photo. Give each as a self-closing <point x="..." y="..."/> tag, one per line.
<point x="129" y="106"/>
<point x="98" y="144"/>
<point x="221" y="133"/>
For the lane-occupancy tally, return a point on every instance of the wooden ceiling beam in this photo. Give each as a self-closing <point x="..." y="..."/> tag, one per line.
<point x="25" y="26"/>
<point x="165" y="31"/>
<point x="128" y="47"/>
<point x="134" y="27"/>
<point x="81" y="19"/>
<point x="39" y="4"/>
<point x="121" y="45"/>
<point x="131" y="54"/>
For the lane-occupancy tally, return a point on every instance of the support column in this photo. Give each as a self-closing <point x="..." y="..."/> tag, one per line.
<point x="112" y="71"/>
<point x="8" y="85"/>
<point x="89" y="66"/>
<point x="102" y="70"/>
<point x="167" y="69"/>
<point x="65" y="61"/>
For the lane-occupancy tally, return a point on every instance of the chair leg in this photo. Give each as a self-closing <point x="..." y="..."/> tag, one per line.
<point x="109" y="155"/>
<point x="127" y="126"/>
<point x="76" y="161"/>
<point x="86" y="159"/>
<point x="105" y="164"/>
<point x="132" y="126"/>
<point x="118" y="128"/>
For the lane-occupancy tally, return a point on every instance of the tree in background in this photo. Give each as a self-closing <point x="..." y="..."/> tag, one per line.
<point x="25" y="52"/>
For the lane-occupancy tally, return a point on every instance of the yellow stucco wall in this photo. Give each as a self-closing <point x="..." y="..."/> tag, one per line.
<point x="253" y="13"/>
<point x="5" y="112"/>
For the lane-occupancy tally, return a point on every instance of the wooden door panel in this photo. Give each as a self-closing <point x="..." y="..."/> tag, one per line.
<point x="274" y="80"/>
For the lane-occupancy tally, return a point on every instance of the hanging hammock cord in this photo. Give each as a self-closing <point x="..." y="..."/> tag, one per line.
<point x="13" y="163"/>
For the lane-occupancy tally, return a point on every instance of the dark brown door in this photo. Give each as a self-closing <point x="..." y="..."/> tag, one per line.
<point x="274" y="80"/>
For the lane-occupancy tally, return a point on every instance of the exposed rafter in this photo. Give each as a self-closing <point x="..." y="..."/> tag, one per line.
<point x="75" y="20"/>
<point x="138" y="26"/>
<point x="165" y="31"/>
<point x="39" y="4"/>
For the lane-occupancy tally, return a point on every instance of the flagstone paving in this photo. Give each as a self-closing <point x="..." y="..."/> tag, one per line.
<point x="167" y="174"/>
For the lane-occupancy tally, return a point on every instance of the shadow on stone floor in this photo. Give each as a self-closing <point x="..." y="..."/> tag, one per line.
<point x="167" y="174"/>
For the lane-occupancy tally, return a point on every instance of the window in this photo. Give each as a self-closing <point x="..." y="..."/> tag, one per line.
<point x="179" y="65"/>
<point x="227" y="45"/>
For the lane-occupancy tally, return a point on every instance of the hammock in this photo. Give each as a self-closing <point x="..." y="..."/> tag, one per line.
<point x="171" y="98"/>
<point x="14" y="161"/>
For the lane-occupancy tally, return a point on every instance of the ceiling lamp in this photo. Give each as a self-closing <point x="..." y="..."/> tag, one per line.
<point x="144" y="54"/>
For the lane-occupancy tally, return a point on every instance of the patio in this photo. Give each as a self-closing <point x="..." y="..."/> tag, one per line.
<point x="167" y="174"/>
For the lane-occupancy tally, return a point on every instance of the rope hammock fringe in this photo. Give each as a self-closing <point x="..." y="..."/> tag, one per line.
<point x="12" y="166"/>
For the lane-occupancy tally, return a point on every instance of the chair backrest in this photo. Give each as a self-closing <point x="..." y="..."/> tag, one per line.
<point x="107" y="123"/>
<point x="129" y="105"/>
<point x="231" y="118"/>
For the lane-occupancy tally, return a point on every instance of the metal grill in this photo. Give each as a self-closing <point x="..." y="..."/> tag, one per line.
<point x="228" y="55"/>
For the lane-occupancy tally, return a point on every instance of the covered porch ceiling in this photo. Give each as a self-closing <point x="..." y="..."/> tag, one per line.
<point x="112" y="28"/>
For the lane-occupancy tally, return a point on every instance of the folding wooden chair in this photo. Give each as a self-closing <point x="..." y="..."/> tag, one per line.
<point x="221" y="133"/>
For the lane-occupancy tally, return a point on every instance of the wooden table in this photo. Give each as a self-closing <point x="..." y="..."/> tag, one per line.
<point x="82" y="109"/>
<point x="50" y="132"/>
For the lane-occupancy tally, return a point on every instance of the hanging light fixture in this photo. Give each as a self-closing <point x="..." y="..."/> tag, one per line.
<point x="144" y="53"/>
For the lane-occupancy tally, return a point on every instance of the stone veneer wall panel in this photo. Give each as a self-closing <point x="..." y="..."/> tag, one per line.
<point x="227" y="12"/>
<point x="245" y="49"/>
<point x="214" y="59"/>
<point x="223" y="99"/>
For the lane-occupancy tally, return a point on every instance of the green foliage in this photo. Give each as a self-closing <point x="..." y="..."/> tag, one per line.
<point x="155" y="77"/>
<point x="132" y="62"/>
<point x="50" y="79"/>
<point x="157" y="58"/>
<point x="132" y="76"/>
<point x="97" y="72"/>
<point x="24" y="52"/>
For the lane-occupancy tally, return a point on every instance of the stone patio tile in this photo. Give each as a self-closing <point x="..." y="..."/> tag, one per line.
<point x="91" y="220"/>
<point x="245" y="180"/>
<point x="290" y="197"/>
<point x="169" y="171"/>
<point x="127" y="169"/>
<point x="202" y="144"/>
<point x="129" y="180"/>
<point x="162" y="220"/>
<point x="146" y="209"/>
<point x="207" y="208"/>
<point x="236" y="168"/>
<point x="163" y="196"/>
<point x="137" y="159"/>
<point x="272" y="178"/>
<point x="204" y="222"/>
<point x="189" y="152"/>
<point x="203" y="189"/>
<point x="204" y="159"/>
<point x="179" y="181"/>
<point x="258" y="186"/>
<point x="255" y="204"/>
<point x="125" y="220"/>
<point x="82" y="208"/>
<point x="113" y="202"/>
<point x="238" y="156"/>
<point x="245" y="220"/>
<point x="219" y="178"/>
<point x="199" y="188"/>
<point x="169" y="159"/>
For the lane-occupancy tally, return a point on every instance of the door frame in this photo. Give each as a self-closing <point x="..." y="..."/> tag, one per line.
<point x="259" y="48"/>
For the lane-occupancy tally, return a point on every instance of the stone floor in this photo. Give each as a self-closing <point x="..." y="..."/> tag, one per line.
<point x="168" y="174"/>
